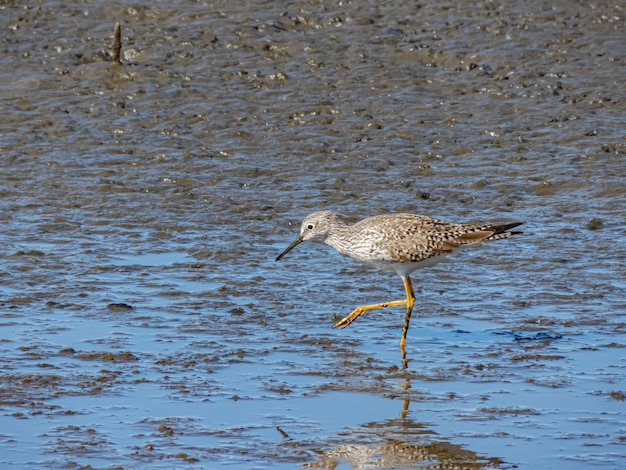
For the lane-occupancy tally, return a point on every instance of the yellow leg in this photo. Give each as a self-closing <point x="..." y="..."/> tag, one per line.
<point x="364" y="308"/>
<point x="410" y="299"/>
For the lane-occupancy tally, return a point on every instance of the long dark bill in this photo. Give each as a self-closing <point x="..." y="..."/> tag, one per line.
<point x="296" y="242"/>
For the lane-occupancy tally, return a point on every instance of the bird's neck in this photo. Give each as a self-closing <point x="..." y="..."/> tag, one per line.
<point x="338" y="237"/>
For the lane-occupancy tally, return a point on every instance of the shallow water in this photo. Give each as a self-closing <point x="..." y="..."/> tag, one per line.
<point x="143" y="320"/>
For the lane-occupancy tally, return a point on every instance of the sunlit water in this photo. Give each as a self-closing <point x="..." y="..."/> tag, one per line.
<point x="144" y="322"/>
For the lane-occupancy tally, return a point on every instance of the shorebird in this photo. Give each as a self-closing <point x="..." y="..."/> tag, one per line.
<point x="397" y="242"/>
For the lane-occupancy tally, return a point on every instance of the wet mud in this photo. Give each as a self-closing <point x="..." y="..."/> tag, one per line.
<point x="143" y="320"/>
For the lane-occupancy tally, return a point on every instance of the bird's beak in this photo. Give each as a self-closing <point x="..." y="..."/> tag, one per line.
<point x="296" y="242"/>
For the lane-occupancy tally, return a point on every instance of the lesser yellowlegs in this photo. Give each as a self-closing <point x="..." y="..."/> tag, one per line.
<point x="396" y="242"/>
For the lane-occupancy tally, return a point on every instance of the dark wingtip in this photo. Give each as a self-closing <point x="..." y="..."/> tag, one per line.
<point x="507" y="227"/>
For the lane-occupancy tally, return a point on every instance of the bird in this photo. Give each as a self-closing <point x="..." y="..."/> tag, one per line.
<point x="400" y="242"/>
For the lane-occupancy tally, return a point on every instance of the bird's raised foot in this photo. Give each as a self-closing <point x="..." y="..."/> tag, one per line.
<point x="364" y="308"/>
<point x="345" y="321"/>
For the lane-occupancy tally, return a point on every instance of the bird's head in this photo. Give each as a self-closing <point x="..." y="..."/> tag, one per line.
<point x="315" y="226"/>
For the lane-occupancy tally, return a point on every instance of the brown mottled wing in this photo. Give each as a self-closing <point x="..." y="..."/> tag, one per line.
<point x="413" y="238"/>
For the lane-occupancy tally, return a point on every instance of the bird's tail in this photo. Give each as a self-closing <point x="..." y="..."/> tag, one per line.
<point x="503" y="231"/>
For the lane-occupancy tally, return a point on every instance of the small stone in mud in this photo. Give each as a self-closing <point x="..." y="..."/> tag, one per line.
<point x="594" y="224"/>
<point x="236" y="311"/>
<point x="120" y="307"/>
<point x="168" y="431"/>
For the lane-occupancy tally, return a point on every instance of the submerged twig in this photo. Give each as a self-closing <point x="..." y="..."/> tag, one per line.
<point x="117" y="43"/>
<point x="284" y="434"/>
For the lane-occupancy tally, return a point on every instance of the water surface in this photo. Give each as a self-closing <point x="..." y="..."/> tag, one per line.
<point x="143" y="320"/>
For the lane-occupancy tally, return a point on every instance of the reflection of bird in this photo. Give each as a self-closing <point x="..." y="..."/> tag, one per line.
<point x="391" y="452"/>
<point x="396" y="242"/>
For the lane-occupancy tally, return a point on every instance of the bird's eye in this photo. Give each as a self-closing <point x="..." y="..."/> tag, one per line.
<point x="310" y="226"/>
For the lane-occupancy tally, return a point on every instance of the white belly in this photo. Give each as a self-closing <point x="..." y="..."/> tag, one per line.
<point x="405" y="269"/>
